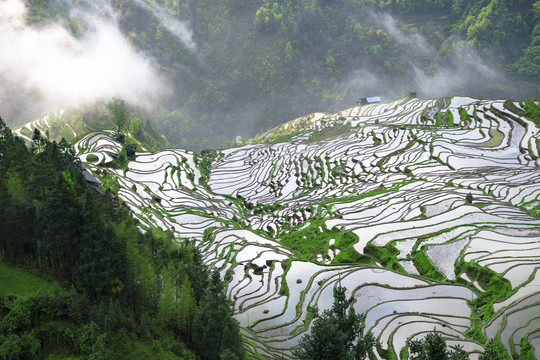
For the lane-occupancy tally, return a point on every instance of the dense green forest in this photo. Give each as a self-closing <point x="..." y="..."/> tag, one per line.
<point x="109" y="290"/>
<point x="256" y="64"/>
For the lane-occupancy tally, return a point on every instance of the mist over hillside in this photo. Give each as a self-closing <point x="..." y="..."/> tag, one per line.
<point x="207" y="71"/>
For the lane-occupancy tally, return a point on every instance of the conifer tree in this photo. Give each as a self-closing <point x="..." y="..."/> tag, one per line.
<point x="333" y="333"/>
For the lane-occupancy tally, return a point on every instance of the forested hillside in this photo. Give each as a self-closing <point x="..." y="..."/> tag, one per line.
<point x="239" y="67"/>
<point x="124" y="293"/>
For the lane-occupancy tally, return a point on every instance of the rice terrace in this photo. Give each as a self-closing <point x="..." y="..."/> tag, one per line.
<point x="427" y="211"/>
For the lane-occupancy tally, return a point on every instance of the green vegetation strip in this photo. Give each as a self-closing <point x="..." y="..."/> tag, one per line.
<point x="312" y="241"/>
<point x="386" y="256"/>
<point x="380" y="190"/>
<point x="425" y="267"/>
<point x="497" y="288"/>
<point x="495" y="140"/>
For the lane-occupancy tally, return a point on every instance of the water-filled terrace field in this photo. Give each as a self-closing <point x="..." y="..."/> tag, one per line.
<point x="418" y="207"/>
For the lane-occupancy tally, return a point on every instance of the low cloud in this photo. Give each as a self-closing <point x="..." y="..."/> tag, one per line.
<point x="461" y="70"/>
<point x="466" y="70"/>
<point x="47" y="68"/>
<point x="180" y="29"/>
<point x="391" y="25"/>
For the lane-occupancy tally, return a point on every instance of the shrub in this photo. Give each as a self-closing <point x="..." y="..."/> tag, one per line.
<point x="92" y="158"/>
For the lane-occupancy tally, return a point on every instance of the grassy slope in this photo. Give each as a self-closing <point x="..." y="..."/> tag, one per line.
<point x="23" y="283"/>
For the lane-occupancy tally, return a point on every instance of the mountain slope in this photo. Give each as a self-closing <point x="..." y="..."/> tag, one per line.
<point x="426" y="210"/>
<point x="229" y="68"/>
<point x="117" y="292"/>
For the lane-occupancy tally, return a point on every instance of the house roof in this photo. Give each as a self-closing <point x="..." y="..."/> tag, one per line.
<point x="373" y="99"/>
<point x="90" y="178"/>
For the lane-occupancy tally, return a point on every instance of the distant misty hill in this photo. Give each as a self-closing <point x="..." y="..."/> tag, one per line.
<point x="209" y="71"/>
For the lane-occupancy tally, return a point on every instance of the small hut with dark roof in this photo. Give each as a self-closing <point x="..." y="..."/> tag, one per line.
<point x="130" y="150"/>
<point x="94" y="183"/>
<point x="114" y="155"/>
<point x="368" y="100"/>
<point x="120" y="137"/>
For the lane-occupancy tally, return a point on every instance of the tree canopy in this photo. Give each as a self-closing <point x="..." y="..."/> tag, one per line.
<point x="336" y="333"/>
<point x="118" y="114"/>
